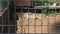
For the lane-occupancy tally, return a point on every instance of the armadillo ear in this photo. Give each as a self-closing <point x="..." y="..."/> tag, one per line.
<point x="17" y="18"/>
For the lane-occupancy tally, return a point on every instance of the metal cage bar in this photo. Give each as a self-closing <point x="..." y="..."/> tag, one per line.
<point x="30" y="17"/>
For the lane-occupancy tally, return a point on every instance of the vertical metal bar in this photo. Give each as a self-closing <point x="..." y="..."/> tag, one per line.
<point x="21" y="22"/>
<point x="22" y="17"/>
<point x="55" y="20"/>
<point x="48" y="15"/>
<point x="8" y="19"/>
<point x="28" y="16"/>
<point x="2" y="23"/>
<point x="41" y="18"/>
<point x="1" y="6"/>
<point x="35" y="18"/>
<point x="15" y="16"/>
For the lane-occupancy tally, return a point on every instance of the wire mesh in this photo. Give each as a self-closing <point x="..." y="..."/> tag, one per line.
<point x="30" y="23"/>
<point x="34" y="17"/>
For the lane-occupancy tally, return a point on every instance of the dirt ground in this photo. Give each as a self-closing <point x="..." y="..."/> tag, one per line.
<point x="37" y="23"/>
